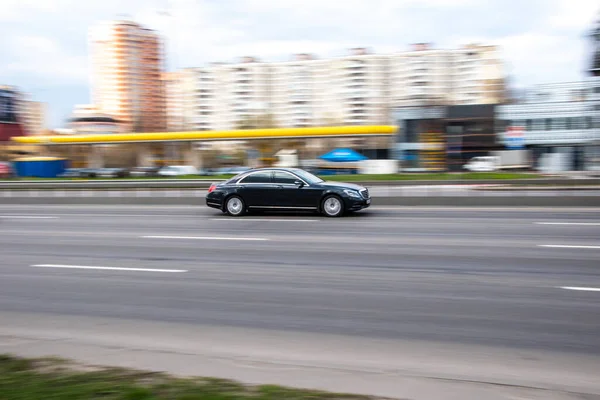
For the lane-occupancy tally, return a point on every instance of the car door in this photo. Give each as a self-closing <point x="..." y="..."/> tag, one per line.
<point x="258" y="190"/>
<point x="291" y="194"/>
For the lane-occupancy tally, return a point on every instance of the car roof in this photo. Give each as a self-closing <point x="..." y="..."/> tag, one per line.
<point x="273" y="169"/>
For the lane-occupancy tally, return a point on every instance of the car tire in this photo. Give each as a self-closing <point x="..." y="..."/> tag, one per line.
<point x="235" y="206"/>
<point x="332" y="206"/>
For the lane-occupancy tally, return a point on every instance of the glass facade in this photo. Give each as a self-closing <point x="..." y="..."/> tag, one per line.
<point x="444" y="138"/>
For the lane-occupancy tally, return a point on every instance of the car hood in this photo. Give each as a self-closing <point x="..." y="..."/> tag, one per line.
<point x="342" y="185"/>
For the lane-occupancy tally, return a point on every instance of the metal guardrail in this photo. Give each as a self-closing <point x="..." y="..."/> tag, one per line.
<point x="93" y="184"/>
<point x="110" y="184"/>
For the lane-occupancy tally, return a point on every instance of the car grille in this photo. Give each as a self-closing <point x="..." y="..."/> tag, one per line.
<point x="364" y="193"/>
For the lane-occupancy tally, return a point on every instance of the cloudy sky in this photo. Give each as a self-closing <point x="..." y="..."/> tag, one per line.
<point x="44" y="49"/>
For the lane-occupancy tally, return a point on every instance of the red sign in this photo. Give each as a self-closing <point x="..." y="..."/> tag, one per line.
<point x="515" y="132"/>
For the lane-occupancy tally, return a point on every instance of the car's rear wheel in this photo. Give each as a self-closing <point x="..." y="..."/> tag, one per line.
<point x="332" y="206"/>
<point x="235" y="206"/>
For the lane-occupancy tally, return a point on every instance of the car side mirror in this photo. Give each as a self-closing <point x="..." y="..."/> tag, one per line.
<point x="299" y="183"/>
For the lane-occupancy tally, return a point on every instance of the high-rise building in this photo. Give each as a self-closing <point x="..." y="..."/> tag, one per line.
<point x="361" y="80"/>
<point x="127" y="62"/>
<point x="174" y="90"/>
<point x="422" y="76"/>
<point x="471" y="74"/>
<point x="360" y="88"/>
<point x="248" y="92"/>
<point x="478" y="75"/>
<point x="10" y="119"/>
<point x="33" y="116"/>
<point x="300" y="90"/>
<point x="223" y="96"/>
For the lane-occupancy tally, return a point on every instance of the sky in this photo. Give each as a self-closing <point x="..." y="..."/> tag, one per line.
<point x="44" y="43"/>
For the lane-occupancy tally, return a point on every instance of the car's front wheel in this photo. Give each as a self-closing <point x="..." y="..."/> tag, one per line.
<point x="235" y="206"/>
<point x="332" y="206"/>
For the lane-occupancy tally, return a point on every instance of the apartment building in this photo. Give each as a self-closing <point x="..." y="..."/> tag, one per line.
<point x="248" y="91"/>
<point x="421" y="76"/>
<point x="33" y="116"/>
<point x="360" y="88"/>
<point x="478" y="75"/>
<point x="220" y="96"/>
<point x="471" y="74"/>
<point x="174" y="99"/>
<point x="294" y="90"/>
<point x="127" y="62"/>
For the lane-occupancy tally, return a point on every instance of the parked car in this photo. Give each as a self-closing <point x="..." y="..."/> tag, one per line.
<point x="286" y="189"/>
<point x="235" y="170"/>
<point x="112" y="173"/>
<point x="6" y="170"/>
<point x="70" y="173"/>
<point x="88" y="172"/>
<point x="79" y="173"/>
<point x="144" y="171"/>
<point x="177" y="170"/>
<point x="212" y="172"/>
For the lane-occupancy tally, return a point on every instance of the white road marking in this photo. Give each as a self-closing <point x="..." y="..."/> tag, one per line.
<point x="106" y="268"/>
<point x="27" y="217"/>
<point x="583" y="289"/>
<point x="565" y="246"/>
<point x="206" y="238"/>
<point x="264" y="219"/>
<point x="569" y="223"/>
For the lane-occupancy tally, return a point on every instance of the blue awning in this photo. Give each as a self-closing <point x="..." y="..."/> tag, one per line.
<point x="343" y="155"/>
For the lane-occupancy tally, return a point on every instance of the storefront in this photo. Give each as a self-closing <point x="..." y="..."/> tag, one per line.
<point x="444" y="138"/>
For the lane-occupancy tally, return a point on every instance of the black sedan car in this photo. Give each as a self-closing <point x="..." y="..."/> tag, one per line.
<point x="286" y="189"/>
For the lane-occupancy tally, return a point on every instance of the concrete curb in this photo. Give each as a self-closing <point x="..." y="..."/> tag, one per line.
<point x="438" y="201"/>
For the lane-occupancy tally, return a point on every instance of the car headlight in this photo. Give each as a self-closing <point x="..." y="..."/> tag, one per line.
<point x="352" y="193"/>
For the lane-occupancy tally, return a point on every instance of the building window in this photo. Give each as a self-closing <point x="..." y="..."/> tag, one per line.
<point x="518" y="123"/>
<point x="548" y="124"/>
<point x="559" y="124"/>
<point x="528" y="125"/>
<point x="538" y="125"/>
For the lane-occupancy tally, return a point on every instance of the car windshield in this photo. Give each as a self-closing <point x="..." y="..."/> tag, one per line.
<point x="307" y="176"/>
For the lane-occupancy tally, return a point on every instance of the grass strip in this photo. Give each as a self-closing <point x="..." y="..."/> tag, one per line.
<point x="51" y="378"/>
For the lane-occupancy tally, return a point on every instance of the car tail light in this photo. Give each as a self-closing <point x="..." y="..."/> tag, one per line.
<point x="212" y="188"/>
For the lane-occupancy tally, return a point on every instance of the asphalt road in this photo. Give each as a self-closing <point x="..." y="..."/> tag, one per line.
<point x="516" y="279"/>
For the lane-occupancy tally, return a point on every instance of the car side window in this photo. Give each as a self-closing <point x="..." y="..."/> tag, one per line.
<point x="258" y="177"/>
<point x="284" y="178"/>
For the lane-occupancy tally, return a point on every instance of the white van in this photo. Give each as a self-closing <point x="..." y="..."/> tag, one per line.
<point x="482" y="164"/>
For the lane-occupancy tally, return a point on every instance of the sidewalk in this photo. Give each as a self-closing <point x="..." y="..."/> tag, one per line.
<point x="408" y="370"/>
